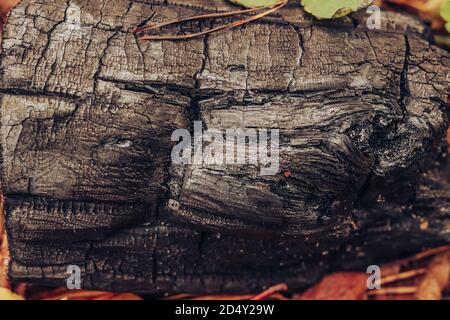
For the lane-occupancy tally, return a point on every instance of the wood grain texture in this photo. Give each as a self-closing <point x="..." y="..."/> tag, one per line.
<point x="87" y="112"/>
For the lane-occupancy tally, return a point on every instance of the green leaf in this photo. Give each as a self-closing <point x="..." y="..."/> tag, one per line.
<point x="255" y="3"/>
<point x="442" y="40"/>
<point x="445" y="13"/>
<point x="329" y="9"/>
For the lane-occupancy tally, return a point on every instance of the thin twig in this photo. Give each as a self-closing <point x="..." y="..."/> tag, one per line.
<point x="200" y="17"/>
<point x="428" y="253"/>
<point x="267" y="293"/>
<point x="234" y="24"/>
<point x="180" y="296"/>
<point x="402" y="276"/>
<point x="397" y="290"/>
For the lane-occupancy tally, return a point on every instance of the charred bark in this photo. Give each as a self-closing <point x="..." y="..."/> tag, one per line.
<point x="87" y="114"/>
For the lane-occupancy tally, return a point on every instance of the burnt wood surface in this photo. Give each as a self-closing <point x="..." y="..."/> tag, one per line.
<point x="87" y="113"/>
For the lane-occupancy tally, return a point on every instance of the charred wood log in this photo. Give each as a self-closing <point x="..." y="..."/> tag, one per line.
<point x="87" y="114"/>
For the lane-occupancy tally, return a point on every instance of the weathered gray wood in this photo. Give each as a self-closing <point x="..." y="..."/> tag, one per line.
<point x="87" y="113"/>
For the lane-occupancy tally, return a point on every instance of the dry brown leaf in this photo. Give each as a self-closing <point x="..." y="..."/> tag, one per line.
<point x="81" y="295"/>
<point x="448" y="137"/>
<point x="2" y="222"/>
<point x="126" y="296"/>
<point x="21" y="289"/>
<point x="426" y="9"/>
<point x="436" y="278"/>
<point x="5" y="5"/>
<point x="4" y="258"/>
<point x="6" y="294"/>
<point x="338" y="286"/>
<point x="222" y="297"/>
